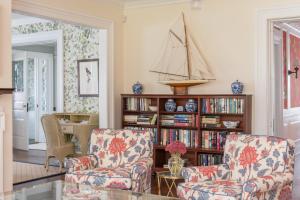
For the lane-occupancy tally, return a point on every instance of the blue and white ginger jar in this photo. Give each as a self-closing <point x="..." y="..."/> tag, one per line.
<point x="170" y="105"/>
<point x="137" y="88"/>
<point x="237" y="87"/>
<point x="191" y="106"/>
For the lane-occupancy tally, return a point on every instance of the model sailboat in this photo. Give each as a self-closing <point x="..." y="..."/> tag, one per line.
<point x="181" y="64"/>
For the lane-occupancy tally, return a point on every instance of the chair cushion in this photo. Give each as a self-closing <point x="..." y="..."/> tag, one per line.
<point x="251" y="156"/>
<point x="212" y="190"/>
<point x="118" y="178"/>
<point x="120" y="148"/>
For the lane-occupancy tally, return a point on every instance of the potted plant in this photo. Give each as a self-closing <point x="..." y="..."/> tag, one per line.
<point x="175" y="162"/>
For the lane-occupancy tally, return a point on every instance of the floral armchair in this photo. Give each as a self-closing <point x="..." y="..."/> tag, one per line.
<point x="255" y="167"/>
<point x="120" y="159"/>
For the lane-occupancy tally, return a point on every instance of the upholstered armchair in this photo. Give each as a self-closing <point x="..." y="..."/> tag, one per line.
<point x="120" y="159"/>
<point x="254" y="167"/>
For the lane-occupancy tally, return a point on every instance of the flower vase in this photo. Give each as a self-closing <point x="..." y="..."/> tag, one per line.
<point x="175" y="164"/>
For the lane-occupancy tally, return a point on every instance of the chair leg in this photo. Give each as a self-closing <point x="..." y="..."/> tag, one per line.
<point x="47" y="163"/>
<point x="60" y="166"/>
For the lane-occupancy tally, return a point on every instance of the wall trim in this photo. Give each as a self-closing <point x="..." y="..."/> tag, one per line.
<point x="40" y="10"/>
<point x="264" y="85"/>
<point x="151" y="3"/>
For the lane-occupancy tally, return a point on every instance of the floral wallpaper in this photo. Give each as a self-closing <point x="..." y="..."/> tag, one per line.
<point x="79" y="43"/>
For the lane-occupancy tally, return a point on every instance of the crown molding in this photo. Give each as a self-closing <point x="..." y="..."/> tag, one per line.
<point x="151" y="3"/>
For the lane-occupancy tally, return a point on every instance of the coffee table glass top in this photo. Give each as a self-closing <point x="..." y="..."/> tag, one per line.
<point x="58" y="190"/>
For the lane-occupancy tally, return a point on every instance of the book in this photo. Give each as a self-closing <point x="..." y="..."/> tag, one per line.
<point x="223" y="105"/>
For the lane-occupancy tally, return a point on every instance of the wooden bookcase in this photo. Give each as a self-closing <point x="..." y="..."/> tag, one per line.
<point x="160" y="156"/>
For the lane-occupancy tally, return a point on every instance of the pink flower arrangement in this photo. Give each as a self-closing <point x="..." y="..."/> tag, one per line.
<point x="176" y="147"/>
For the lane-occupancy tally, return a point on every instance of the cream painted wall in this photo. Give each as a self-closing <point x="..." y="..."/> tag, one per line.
<point x="5" y="82"/>
<point x="223" y="29"/>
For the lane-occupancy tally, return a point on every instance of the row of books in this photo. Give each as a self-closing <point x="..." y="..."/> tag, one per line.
<point x="210" y="121"/>
<point x="213" y="139"/>
<point x="223" y="105"/>
<point x="209" y="159"/>
<point x="179" y="120"/>
<point x="189" y="137"/>
<point x="153" y="130"/>
<point x="137" y="104"/>
<point x="145" y="119"/>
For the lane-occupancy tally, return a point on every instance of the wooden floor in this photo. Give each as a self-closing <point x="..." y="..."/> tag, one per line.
<point x="24" y="172"/>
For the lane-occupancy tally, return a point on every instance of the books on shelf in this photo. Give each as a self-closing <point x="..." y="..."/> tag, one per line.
<point x="137" y="104"/>
<point x="223" y="105"/>
<point x="131" y="104"/>
<point x="144" y="104"/>
<point x="209" y="159"/>
<point x="130" y="119"/>
<point x="210" y="122"/>
<point x="153" y="130"/>
<point x="214" y="139"/>
<point x="179" y="120"/>
<point x="144" y="119"/>
<point x="189" y="137"/>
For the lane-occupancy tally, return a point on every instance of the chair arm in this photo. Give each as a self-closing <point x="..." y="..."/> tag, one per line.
<point x="81" y="163"/>
<point x="141" y="175"/>
<point x="266" y="183"/>
<point x="205" y="173"/>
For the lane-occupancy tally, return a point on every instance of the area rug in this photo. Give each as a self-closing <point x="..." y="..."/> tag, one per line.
<point x="25" y="172"/>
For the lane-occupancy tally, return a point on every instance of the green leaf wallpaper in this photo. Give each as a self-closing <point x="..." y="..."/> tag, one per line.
<point x="79" y="43"/>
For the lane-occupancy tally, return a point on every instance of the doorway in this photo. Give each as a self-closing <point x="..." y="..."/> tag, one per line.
<point x="33" y="97"/>
<point x="286" y="84"/>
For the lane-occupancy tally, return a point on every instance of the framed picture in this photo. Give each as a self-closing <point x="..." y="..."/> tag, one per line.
<point x="88" y="77"/>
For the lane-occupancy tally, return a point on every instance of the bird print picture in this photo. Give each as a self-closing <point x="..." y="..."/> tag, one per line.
<point x="88" y="78"/>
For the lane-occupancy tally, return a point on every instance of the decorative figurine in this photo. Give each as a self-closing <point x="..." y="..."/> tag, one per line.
<point x="137" y="88"/>
<point x="237" y="87"/>
<point x="170" y="105"/>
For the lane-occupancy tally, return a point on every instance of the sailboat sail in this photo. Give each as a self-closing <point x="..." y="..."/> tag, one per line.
<point x="181" y="59"/>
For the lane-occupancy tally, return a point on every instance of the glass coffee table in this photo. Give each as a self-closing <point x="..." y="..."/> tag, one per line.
<point x="60" y="190"/>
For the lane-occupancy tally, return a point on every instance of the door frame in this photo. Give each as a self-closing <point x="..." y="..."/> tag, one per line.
<point x="263" y="70"/>
<point x="47" y="37"/>
<point x="106" y="50"/>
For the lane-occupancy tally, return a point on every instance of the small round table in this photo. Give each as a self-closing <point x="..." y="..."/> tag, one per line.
<point x="166" y="175"/>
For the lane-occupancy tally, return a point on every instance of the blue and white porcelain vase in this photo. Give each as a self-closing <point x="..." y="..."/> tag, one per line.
<point x="237" y="87"/>
<point x="137" y="88"/>
<point x="191" y="106"/>
<point x="170" y="105"/>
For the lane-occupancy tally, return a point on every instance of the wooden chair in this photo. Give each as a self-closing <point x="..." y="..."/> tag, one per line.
<point x="56" y="145"/>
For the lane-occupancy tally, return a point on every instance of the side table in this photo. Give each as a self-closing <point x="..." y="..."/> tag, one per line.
<point x="169" y="180"/>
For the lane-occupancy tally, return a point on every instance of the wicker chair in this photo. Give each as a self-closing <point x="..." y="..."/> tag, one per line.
<point x="56" y="145"/>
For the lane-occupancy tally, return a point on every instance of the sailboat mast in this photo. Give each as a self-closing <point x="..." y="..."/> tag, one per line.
<point x="187" y="48"/>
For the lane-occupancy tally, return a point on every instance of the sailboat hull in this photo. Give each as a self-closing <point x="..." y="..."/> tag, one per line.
<point x="183" y="83"/>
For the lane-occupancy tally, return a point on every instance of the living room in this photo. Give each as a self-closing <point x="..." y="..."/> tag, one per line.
<point x="229" y="40"/>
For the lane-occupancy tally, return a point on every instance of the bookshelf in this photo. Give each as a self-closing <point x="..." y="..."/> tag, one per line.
<point x="202" y="131"/>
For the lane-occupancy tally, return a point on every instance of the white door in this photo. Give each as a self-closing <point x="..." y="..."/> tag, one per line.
<point x="43" y="65"/>
<point x="35" y="98"/>
<point x="20" y="117"/>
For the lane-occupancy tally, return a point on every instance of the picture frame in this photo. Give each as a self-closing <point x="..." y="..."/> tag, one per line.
<point x="88" y="77"/>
